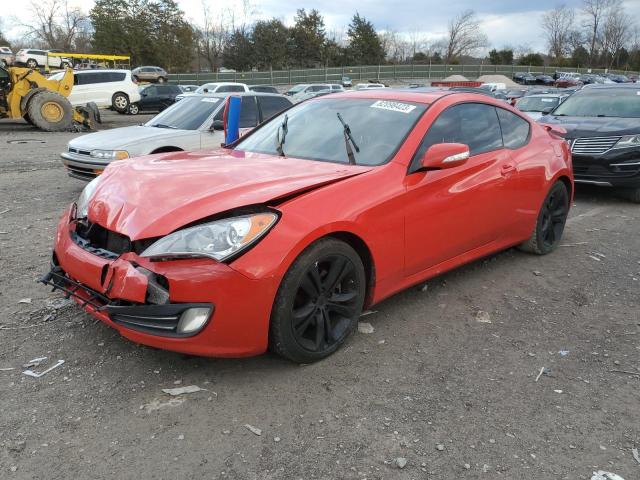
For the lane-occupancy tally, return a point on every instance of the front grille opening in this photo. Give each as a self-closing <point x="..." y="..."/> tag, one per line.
<point x="99" y="240"/>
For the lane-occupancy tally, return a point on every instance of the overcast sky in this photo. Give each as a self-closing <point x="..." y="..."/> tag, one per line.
<point x="506" y="22"/>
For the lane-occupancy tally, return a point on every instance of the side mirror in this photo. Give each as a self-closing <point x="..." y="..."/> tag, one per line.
<point x="445" y="155"/>
<point x="205" y="90"/>
<point x="143" y="94"/>
<point x="217" y="125"/>
<point x="547" y="111"/>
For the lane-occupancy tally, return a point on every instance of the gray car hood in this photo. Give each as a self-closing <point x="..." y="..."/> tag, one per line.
<point x="120" y="138"/>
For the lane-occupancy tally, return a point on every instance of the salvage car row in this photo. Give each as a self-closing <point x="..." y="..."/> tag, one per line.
<point x="280" y="239"/>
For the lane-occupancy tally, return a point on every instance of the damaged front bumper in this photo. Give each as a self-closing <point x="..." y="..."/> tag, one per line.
<point x="168" y="320"/>
<point x="193" y="306"/>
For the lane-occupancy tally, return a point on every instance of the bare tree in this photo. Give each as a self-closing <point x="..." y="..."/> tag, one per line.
<point x="465" y="36"/>
<point x="557" y="25"/>
<point x="213" y="34"/>
<point x="57" y="25"/>
<point x="617" y="32"/>
<point x="596" y="12"/>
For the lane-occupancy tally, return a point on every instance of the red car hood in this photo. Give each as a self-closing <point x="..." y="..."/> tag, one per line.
<point x="152" y="196"/>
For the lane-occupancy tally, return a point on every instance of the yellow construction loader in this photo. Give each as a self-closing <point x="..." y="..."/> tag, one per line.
<point x="26" y="93"/>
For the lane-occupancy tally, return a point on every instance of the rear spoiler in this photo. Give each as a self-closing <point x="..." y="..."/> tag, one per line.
<point x="554" y="129"/>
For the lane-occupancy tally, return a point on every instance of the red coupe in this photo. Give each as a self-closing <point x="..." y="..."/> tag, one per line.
<point x="337" y="203"/>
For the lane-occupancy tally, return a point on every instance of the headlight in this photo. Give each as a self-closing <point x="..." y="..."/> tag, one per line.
<point x="219" y="240"/>
<point x="110" y="154"/>
<point x="628" y="141"/>
<point x="82" y="205"/>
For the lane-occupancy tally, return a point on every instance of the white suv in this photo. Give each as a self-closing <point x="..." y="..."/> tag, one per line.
<point x="38" y="58"/>
<point x="216" y="87"/>
<point x="107" y="88"/>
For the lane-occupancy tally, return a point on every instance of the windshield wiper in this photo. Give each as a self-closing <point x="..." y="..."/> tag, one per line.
<point x="162" y="125"/>
<point x="280" y="140"/>
<point x="348" y="140"/>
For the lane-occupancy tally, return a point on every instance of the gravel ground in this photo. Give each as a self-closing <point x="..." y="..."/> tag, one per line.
<point x="447" y="380"/>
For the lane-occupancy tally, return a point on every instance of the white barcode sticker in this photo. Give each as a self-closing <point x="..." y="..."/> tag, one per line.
<point x="210" y="100"/>
<point x="393" y="106"/>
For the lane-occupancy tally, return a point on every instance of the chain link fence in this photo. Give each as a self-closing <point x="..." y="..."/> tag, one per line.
<point x="371" y="72"/>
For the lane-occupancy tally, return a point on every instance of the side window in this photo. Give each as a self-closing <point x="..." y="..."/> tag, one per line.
<point x="81" y="79"/>
<point x="117" y="76"/>
<point x="271" y="106"/>
<point x="515" y="130"/>
<point x="248" y="112"/>
<point x="474" y="124"/>
<point x="151" y="91"/>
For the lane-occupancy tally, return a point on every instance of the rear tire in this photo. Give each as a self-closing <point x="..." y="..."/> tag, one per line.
<point x="31" y="63"/>
<point x="134" y="109"/>
<point x="120" y="102"/>
<point x="631" y="194"/>
<point x="50" y="111"/>
<point x="318" y="303"/>
<point x="551" y="221"/>
<point x="27" y="118"/>
<point x="162" y="80"/>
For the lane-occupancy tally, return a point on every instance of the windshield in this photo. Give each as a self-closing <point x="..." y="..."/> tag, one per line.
<point x="314" y="130"/>
<point x="187" y="114"/>
<point x="537" y="104"/>
<point x="610" y="102"/>
<point x="209" y="86"/>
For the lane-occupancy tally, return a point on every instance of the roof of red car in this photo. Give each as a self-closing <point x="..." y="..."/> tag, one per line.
<point x="392" y="94"/>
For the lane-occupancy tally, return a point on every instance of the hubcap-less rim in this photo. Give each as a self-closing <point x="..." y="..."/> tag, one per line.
<point x="325" y="303"/>
<point x="554" y="215"/>
<point x="52" y="112"/>
<point x="120" y="101"/>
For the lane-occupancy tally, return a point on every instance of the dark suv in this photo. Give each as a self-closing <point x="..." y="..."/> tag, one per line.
<point x="603" y="130"/>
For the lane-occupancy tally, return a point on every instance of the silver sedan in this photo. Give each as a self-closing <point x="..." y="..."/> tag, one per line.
<point x="194" y="123"/>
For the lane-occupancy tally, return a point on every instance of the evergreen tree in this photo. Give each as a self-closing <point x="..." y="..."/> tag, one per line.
<point x="238" y="51"/>
<point x="364" y="44"/>
<point x="307" y="38"/>
<point x="152" y="32"/>
<point x="270" y="44"/>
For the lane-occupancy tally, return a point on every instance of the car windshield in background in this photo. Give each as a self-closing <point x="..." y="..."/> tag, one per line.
<point x="187" y="114"/>
<point x="602" y="102"/>
<point x="315" y="131"/>
<point x="537" y="104"/>
<point x="208" y="86"/>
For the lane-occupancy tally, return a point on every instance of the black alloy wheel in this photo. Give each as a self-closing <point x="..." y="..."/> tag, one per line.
<point x="551" y="221"/>
<point x="319" y="302"/>
<point x="554" y="216"/>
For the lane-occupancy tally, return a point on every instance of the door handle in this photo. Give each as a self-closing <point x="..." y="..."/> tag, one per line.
<point x="507" y="169"/>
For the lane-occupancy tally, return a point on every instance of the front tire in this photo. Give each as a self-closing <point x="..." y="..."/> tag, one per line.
<point x="162" y="80"/>
<point x="134" y="109"/>
<point x="120" y="102"/>
<point x="318" y="303"/>
<point x="31" y="63"/>
<point x="50" y="111"/>
<point x="551" y="221"/>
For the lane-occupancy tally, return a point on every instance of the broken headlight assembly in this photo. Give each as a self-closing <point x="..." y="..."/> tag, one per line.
<point x="82" y="205"/>
<point x="220" y="240"/>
